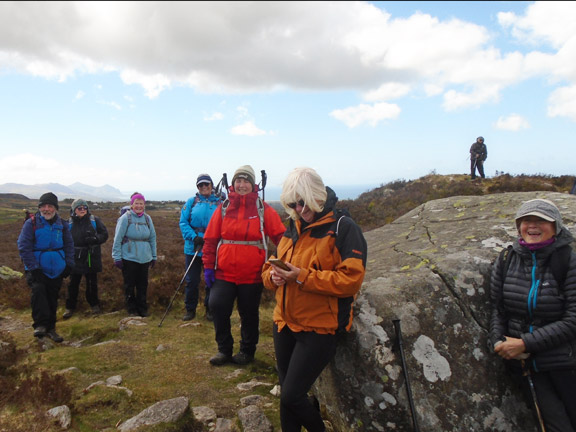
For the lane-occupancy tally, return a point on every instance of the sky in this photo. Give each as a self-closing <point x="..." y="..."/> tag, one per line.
<point x="148" y="95"/>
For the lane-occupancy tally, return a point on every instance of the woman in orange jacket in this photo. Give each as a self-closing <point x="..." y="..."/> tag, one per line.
<point x="325" y="253"/>
<point x="235" y="247"/>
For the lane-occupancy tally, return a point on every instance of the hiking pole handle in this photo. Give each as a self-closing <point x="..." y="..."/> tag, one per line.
<point x="178" y="289"/>
<point x="398" y="331"/>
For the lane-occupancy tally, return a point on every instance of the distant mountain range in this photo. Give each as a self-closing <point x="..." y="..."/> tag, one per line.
<point x="76" y="190"/>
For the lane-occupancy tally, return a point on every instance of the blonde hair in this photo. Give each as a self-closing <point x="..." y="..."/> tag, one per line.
<point x="305" y="184"/>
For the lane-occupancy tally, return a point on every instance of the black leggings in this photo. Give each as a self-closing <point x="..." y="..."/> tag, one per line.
<point x="301" y="357"/>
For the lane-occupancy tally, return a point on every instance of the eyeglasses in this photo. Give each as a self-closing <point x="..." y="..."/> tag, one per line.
<point x="82" y="208"/>
<point x="293" y="205"/>
<point x="203" y="185"/>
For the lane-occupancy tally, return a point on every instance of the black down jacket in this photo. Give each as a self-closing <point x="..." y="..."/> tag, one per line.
<point x="529" y="304"/>
<point x="87" y="241"/>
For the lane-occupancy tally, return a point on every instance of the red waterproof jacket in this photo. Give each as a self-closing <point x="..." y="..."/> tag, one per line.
<point x="331" y="253"/>
<point x="233" y="245"/>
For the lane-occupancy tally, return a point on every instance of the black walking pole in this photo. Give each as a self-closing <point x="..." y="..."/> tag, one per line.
<point x="405" y="370"/>
<point x="527" y="374"/>
<point x="177" y="289"/>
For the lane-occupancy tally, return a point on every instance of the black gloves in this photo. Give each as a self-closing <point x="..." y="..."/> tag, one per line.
<point x="67" y="272"/>
<point x="198" y="243"/>
<point x="91" y="240"/>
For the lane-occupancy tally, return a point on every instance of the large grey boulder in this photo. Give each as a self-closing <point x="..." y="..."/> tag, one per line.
<point x="431" y="269"/>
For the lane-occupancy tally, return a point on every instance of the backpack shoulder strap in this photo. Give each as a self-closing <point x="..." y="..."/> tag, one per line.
<point x="504" y="258"/>
<point x="559" y="263"/>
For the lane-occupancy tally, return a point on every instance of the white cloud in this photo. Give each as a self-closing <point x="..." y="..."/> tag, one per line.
<point x="80" y="94"/>
<point x="214" y="116"/>
<point x="248" y="128"/>
<point x="513" y="122"/>
<point x="235" y="47"/>
<point x="387" y="91"/>
<point x="562" y="103"/>
<point x="371" y="114"/>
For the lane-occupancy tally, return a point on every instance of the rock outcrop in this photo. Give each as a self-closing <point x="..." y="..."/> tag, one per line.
<point x="431" y="270"/>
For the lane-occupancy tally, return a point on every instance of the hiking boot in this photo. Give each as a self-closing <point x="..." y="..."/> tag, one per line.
<point x="68" y="313"/>
<point x="220" y="359"/>
<point x="40" y="332"/>
<point x="209" y="316"/>
<point x="242" y="358"/>
<point x="54" y="336"/>
<point x="96" y="310"/>
<point x="190" y="315"/>
<point x="143" y="314"/>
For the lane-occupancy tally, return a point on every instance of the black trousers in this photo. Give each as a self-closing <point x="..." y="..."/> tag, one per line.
<point x="477" y="164"/>
<point x="74" y="288"/>
<point x="222" y="297"/>
<point x="135" y="286"/>
<point x="44" y="300"/>
<point x="192" y="283"/>
<point x="301" y="357"/>
<point x="556" y="396"/>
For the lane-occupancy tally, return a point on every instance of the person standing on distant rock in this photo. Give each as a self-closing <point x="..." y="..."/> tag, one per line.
<point x="134" y="252"/>
<point x="88" y="233"/>
<point x="194" y="218"/>
<point x="47" y="250"/>
<point x="533" y="323"/>
<point x="478" y="154"/>
<point x="235" y="247"/>
<point x="325" y="254"/>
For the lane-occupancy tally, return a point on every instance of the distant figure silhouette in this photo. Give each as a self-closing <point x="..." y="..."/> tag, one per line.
<point x="478" y="154"/>
<point x="573" y="191"/>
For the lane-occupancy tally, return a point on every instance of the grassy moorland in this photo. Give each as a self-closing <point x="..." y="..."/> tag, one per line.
<point x="32" y="378"/>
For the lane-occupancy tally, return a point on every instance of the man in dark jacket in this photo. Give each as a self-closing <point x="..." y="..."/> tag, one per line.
<point x="88" y="233"/>
<point x="47" y="251"/>
<point x="478" y="154"/>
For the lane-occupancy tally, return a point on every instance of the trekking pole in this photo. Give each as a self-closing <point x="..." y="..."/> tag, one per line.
<point x="177" y="289"/>
<point x="405" y="370"/>
<point x="264" y="178"/>
<point x="527" y="374"/>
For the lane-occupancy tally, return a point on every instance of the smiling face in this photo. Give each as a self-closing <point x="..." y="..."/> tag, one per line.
<point x="242" y="186"/>
<point x="534" y="229"/>
<point x="48" y="211"/>
<point x="138" y="205"/>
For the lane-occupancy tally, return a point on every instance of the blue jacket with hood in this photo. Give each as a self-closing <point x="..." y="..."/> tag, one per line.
<point x="47" y="246"/>
<point x="194" y="219"/>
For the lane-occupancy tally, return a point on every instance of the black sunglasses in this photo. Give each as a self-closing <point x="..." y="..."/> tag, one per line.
<point x="293" y="205"/>
<point x="81" y="208"/>
<point x="203" y="184"/>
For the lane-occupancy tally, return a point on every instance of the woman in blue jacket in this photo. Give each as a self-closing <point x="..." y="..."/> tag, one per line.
<point x="194" y="219"/>
<point x="134" y="252"/>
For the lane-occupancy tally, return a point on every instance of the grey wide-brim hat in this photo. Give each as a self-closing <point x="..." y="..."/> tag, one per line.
<point x="541" y="208"/>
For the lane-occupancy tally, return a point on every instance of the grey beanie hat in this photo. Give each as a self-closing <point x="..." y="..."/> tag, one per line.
<point x="77" y="203"/>
<point x="245" y="172"/>
<point x="541" y="208"/>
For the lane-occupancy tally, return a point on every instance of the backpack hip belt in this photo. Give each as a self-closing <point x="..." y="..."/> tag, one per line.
<point x="244" y="242"/>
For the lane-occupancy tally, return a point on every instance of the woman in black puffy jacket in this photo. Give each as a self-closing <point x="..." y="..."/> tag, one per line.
<point x="533" y="324"/>
<point x="88" y="233"/>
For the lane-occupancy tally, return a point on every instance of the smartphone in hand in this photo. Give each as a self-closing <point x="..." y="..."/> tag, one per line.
<point x="279" y="263"/>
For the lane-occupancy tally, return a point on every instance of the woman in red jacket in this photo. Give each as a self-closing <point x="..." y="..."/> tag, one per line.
<point x="235" y="248"/>
<point x="325" y="253"/>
